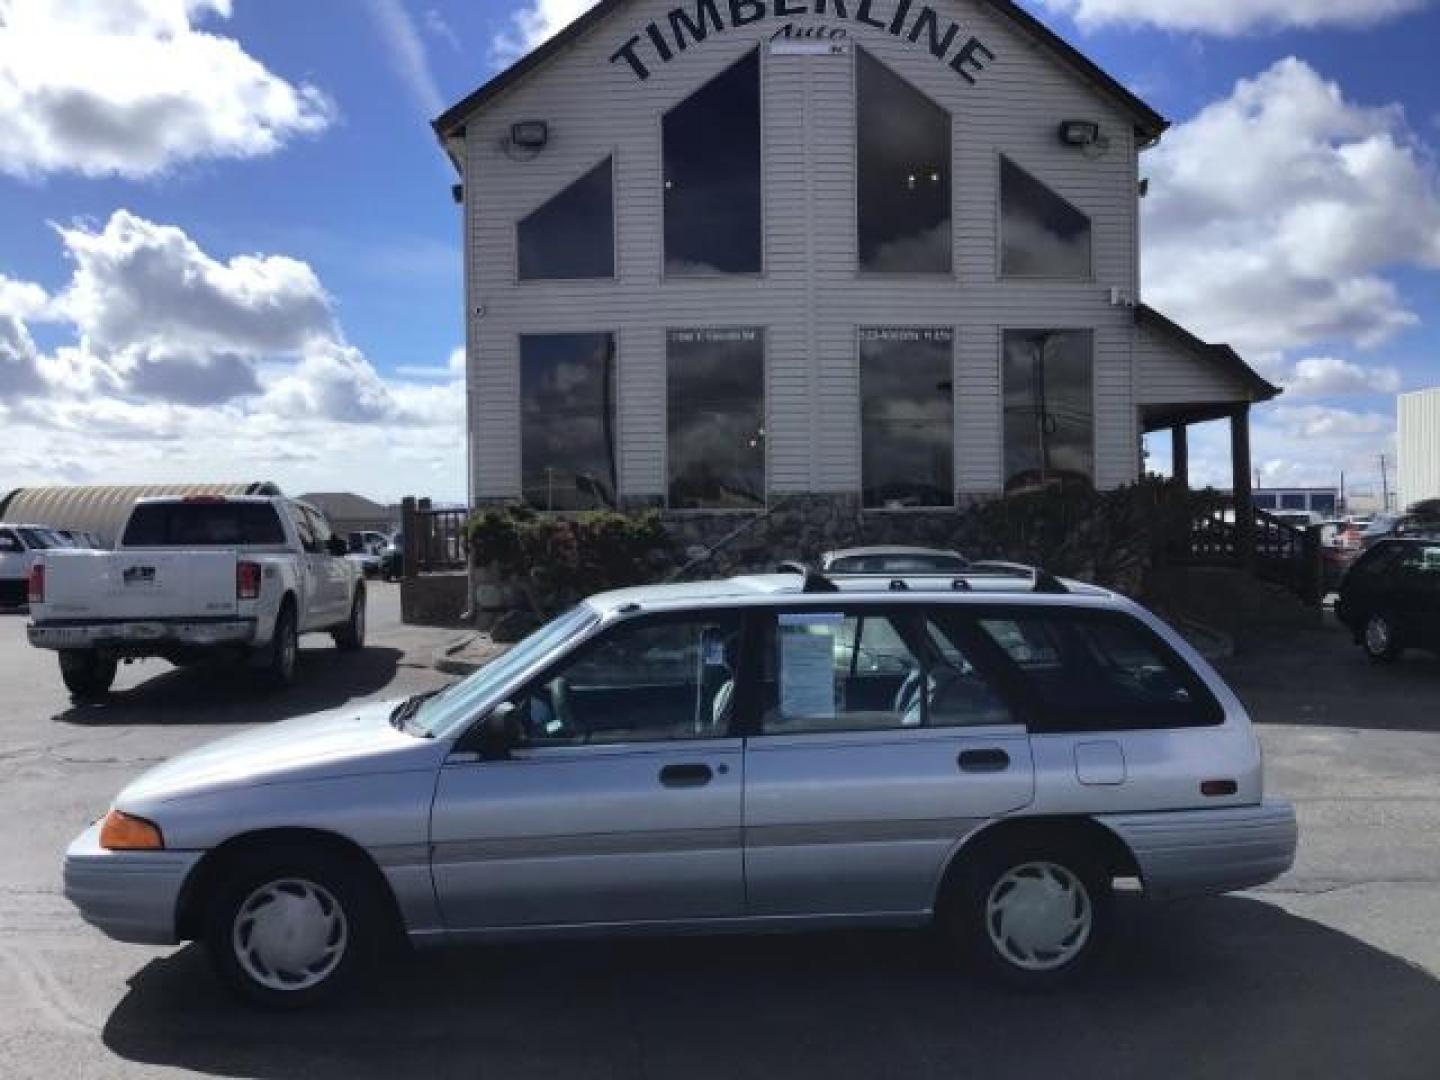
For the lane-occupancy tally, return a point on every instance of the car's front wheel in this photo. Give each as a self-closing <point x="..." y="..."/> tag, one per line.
<point x="1379" y="640"/>
<point x="1032" y="913"/>
<point x="287" y="930"/>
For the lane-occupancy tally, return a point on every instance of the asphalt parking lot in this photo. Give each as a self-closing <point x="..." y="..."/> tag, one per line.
<point x="1332" y="971"/>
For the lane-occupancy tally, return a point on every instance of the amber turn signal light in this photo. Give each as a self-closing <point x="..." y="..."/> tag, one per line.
<point x="124" y="832"/>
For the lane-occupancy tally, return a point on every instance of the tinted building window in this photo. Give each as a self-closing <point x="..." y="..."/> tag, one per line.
<point x="1041" y="234"/>
<point x="567" y="420"/>
<point x="904" y="174"/>
<point x="1049" y="408"/>
<point x="712" y="176"/>
<point x="716" y="406"/>
<point x="907" y="417"/>
<point x="572" y="235"/>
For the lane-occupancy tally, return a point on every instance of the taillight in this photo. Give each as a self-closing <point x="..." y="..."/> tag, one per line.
<point x="37" y="583"/>
<point x="247" y="580"/>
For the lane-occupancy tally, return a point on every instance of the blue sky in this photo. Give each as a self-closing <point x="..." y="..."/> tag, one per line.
<point x="339" y="334"/>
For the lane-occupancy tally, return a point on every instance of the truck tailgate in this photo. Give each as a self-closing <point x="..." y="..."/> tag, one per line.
<point x="137" y="585"/>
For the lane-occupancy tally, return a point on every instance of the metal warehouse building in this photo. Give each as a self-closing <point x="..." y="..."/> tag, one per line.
<point x="1419" y="446"/>
<point x="879" y="253"/>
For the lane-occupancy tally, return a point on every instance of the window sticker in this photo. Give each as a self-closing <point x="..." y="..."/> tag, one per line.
<point x="807" y="665"/>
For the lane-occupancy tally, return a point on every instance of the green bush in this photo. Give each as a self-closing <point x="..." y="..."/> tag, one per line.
<point x="557" y="560"/>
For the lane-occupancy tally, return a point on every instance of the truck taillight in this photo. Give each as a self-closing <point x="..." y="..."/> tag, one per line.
<point x="37" y="583"/>
<point x="247" y="580"/>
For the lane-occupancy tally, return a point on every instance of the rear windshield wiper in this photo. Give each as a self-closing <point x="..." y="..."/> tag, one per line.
<point x="403" y="713"/>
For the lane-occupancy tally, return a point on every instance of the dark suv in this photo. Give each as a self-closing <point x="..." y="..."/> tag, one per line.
<point x="1390" y="598"/>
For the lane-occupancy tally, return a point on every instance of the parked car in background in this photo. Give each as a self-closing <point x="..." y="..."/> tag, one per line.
<point x="1390" y="597"/>
<point x="1406" y="524"/>
<point x="765" y="753"/>
<point x="392" y="559"/>
<point x="193" y="577"/>
<point x="78" y="538"/>
<point x="892" y="559"/>
<point x="18" y="547"/>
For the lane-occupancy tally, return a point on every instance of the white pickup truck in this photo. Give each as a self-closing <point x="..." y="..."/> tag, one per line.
<point x="192" y="577"/>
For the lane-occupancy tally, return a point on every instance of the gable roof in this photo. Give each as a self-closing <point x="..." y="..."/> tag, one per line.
<point x="346" y="506"/>
<point x="1222" y="356"/>
<point x="1149" y="123"/>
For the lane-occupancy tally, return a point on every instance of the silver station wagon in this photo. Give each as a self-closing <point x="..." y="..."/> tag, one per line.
<point x="986" y="752"/>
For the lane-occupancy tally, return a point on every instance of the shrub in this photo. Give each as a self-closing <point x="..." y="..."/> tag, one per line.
<point x="557" y="560"/>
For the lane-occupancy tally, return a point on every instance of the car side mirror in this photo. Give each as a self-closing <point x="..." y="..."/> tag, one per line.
<point x="337" y="546"/>
<point x="500" y="732"/>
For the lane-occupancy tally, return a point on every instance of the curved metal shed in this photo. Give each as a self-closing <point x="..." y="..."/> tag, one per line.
<point x="103" y="508"/>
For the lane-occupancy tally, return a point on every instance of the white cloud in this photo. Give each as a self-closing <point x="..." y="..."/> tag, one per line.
<point x="1232" y="17"/>
<point x="1330" y="376"/>
<point x="188" y="367"/>
<point x="535" y="24"/>
<point x="130" y="87"/>
<point x="436" y="26"/>
<point x="1275" y="211"/>
<point x="407" y="54"/>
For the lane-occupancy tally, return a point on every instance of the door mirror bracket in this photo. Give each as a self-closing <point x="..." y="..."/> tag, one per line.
<point x="499" y="733"/>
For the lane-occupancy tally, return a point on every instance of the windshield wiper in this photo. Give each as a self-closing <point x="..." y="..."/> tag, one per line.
<point x="403" y="713"/>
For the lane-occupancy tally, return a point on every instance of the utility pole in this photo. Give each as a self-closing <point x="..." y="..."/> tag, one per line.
<point x="1384" y="484"/>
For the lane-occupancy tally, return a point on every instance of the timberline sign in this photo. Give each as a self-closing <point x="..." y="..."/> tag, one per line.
<point x="683" y="27"/>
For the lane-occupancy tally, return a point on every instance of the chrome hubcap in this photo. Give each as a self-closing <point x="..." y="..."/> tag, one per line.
<point x="290" y="934"/>
<point x="1038" y="916"/>
<point x="1377" y="635"/>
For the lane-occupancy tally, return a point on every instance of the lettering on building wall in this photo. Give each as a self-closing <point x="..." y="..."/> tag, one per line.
<point x="661" y="41"/>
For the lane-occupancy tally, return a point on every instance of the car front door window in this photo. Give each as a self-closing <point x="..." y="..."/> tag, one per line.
<point x="655" y="680"/>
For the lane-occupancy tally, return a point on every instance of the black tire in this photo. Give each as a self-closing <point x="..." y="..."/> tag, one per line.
<point x="340" y="927"/>
<point x="1379" y="639"/>
<point x="283" y="652"/>
<point x="350" y="635"/>
<point x="88" y="674"/>
<point x="1028" y="954"/>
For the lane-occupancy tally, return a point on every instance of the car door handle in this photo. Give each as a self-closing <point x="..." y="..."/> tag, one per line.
<point x="691" y="774"/>
<point x="993" y="760"/>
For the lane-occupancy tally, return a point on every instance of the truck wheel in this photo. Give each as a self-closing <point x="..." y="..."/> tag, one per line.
<point x="350" y="635"/>
<point x="88" y="674"/>
<point x="1032" y="913"/>
<point x="1379" y="640"/>
<point x="283" y="649"/>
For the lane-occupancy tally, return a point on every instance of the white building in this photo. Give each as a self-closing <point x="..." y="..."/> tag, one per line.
<point x="878" y="252"/>
<point x="1418" y="474"/>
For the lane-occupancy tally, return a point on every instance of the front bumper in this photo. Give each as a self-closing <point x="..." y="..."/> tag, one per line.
<point x="1195" y="852"/>
<point x="127" y="895"/>
<point x="142" y="635"/>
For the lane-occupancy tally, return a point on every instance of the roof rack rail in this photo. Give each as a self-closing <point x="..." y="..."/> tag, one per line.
<point x="814" y="581"/>
<point x="1041" y="581"/>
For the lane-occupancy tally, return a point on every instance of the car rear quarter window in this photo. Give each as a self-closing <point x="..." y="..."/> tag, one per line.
<point x="218" y="524"/>
<point x="1087" y="670"/>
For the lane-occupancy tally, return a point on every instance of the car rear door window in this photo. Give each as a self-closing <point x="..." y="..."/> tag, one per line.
<point x="868" y="670"/>
<point x="1096" y="670"/>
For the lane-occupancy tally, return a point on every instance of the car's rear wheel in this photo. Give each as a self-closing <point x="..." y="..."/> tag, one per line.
<point x="283" y="652"/>
<point x="286" y="930"/>
<point x="88" y="674"/>
<point x="350" y="637"/>
<point x="1031" y="913"/>
<point x="1378" y="639"/>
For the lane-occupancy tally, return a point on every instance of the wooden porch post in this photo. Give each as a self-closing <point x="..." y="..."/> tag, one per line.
<point x="1180" y="454"/>
<point x="1244" y="492"/>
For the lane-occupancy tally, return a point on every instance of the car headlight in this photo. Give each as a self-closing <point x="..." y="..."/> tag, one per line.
<point x="125" y="832"/>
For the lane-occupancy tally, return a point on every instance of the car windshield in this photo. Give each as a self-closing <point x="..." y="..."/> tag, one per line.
<point x="40" y="538"/>
<point x="203" y="524"/>
<point x="1382" y="524"/>
<point x="448" y="711"/>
